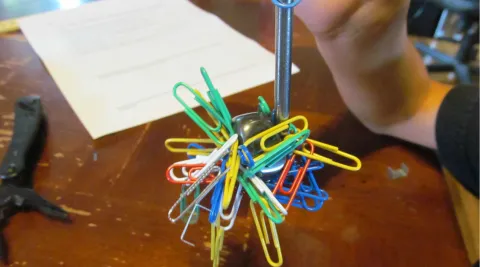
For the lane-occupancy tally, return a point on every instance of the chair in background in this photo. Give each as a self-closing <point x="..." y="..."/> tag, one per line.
<point x="461" y="63"/>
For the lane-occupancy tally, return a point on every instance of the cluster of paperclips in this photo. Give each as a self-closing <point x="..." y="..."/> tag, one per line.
<point x="225" y="162"/>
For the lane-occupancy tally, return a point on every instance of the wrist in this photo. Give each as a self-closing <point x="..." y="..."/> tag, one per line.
<point x="382" y="90"/>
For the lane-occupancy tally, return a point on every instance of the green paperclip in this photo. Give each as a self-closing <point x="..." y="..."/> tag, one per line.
<point x="276" y="217"/>
<point x="195" y="117"/>
<point x="183" y="205"/>
<point x="217" y="102"/>
<point x="278" y="153"/>
<point x="263" y="106"/>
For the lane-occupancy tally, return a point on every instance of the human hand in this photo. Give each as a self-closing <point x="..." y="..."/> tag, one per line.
<point x="377" y="70"/>
<point x="356" y="27"/>
<point x="331" y="19"/>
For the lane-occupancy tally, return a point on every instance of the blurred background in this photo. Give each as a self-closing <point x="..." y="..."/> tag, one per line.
<point x="446" y="33"/>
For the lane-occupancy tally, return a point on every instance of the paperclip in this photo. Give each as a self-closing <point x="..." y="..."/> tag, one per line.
<point x="195" y="212"/>
<point x="314" y="166"/>
<point x="279" y="128"/>
<point x="263" y="106"/>
<point x="187" y="166"/>
<point x="275" y="129"/>
<point x="316" y="195"/>
<point x="223" y="134"/>
<point x="231" y="179"/>
<point x="296" y="181"/>
<point x="193" y="146"/>
<point x="264" y="190"/>
<point x="310" y="191"/>
<point x="197" y="199"/>
<point x="233" y="213"/>
<point x="217" y="101"/>
<point x="264" y="236"/>
<point x="282" y="4"/>
<point x="193" y="173"/>
<point x="217" y="236"/>
<point x="184" y="232"/>
<point x="216" y="156"/>
<point x="248" y="186"/>
<point x="304" y="152"/>
<point x="216" y="199"/>
<point x="208" y="129"/>
<point x="279" y="153"/>
<point x="246" y="157"/>
<point x="300" y="201"/>
<point x="190" y="178"/>
<point x="188" y="150"/>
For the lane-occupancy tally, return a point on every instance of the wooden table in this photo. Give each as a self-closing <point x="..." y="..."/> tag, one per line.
<point x="120" y="199"/>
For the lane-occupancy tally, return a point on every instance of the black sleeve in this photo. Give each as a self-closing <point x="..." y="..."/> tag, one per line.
<point x="457" y="135"/>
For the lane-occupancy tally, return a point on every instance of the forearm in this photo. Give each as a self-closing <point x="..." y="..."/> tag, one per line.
<point x="387" y="87"/>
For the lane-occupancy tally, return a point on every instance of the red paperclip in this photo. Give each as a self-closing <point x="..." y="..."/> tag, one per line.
<point x="292" y="191"/>
<point x="188" y="179"/>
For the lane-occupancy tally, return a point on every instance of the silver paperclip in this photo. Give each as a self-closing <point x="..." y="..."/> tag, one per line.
<point x="197" y="200"/>
<point x="182" y="237"/>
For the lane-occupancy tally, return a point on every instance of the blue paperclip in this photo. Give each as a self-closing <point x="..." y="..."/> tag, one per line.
<point x="310" y="191"/>
<point x="196" y="146"/>
<point x="314" y="166"/>
<point x="216" y="199"/>
<point x="246" y="157"/>
<point x="318" y="197"/>
<point x="285" y="5"/>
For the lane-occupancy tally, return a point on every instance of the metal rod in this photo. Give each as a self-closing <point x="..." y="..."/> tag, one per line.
<point x="283" y="60"/>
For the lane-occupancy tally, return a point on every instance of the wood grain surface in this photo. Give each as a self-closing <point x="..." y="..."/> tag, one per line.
<point x="120" y="197"/>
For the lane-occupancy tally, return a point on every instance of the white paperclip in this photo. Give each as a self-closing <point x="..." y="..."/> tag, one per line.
<point x="263" y="189"/>
<point x="216" y="169"/>
<point x="197" y="160"/>
<point x="233" y="214"/>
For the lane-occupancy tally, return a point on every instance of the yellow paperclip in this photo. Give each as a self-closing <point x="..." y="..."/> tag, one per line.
<point x="217" y="235"/>
<point x="231" y="179"/>
<point x="263" y="235"/>
<point x="190" y="151"/>
<point x="283" y="126"/>
<point x="276" y="129"/>
<point x="326" y="160"/>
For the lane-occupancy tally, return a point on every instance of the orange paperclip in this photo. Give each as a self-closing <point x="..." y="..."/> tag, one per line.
<point x="190" y="177"/>
<point x="192" y="170"/>
<point x="292" y="191"/>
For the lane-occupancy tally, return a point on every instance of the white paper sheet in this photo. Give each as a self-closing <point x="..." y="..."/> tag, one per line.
<point x="116" y="61"/>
